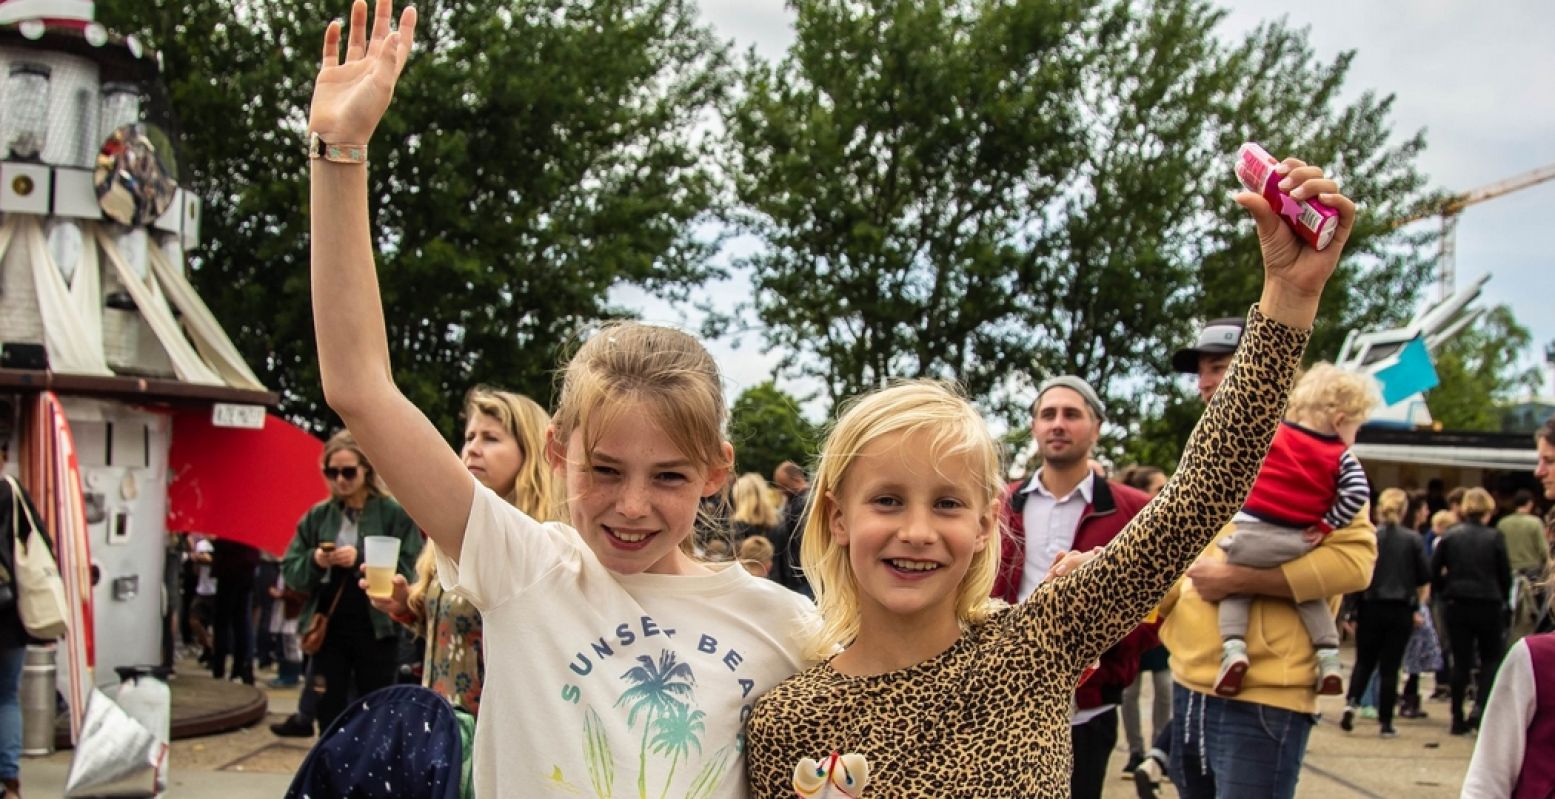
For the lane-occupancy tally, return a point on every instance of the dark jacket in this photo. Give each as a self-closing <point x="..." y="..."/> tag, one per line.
<point x="1471" y="563"/>
<point x="1113" y="506"/>
<point x="380" y="516"/>
<point x="1401" y="566"/>
<point x="785" y="544"/>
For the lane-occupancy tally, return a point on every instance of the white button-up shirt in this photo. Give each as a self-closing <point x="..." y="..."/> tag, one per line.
<point x="1051" y="523"/>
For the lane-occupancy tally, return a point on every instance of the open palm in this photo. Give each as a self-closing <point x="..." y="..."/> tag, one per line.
<point x="349" y="97"/>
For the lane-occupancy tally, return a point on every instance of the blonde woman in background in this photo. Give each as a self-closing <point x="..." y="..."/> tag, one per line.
<point x="754" y="512"/>
<point x="504" y="437"/>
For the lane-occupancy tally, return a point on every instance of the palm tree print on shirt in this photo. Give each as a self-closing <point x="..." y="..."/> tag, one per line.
<point x="679" y="731"/>
<point x="658" y="689"/>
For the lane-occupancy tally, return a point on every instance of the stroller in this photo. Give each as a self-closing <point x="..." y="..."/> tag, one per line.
<point x="400" y="742"/>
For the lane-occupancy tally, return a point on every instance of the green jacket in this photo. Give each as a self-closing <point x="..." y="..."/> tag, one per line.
<point x="1525" y="545"/>
<point x="380" y="516"/>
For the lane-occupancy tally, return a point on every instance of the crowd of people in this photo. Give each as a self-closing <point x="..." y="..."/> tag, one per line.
<point x="908" y="624"/>
<point x="608" y="605"/>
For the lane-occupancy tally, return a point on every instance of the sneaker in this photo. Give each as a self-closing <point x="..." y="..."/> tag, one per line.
<point x="1147" y="777"/>
<point x="1368" y="712"/>
<point x="1330" y="675"/>
<point x="283" y="683"/>
<point x="293" y="727"/>
<point x="1388" y="732"/>
<point x="1347" y="721"/>
<point x="1233" y="667"/>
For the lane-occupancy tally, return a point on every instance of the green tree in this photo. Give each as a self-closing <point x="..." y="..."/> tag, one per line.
<point x="986" y="191"/>
<point x="890" y="164"/>
<point x="537" y="153"/>
<point x="1479" y="372"/>
<point x="766" y="428"/>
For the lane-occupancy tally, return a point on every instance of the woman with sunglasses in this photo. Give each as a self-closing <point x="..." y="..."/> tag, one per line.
<point x="360" y="649"/>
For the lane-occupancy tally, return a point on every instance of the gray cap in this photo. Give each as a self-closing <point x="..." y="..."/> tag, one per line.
<point x="1076" y="385"/>
<point x="1218" y="337"/>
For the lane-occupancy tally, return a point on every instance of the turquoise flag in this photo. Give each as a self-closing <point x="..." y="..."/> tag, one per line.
<point x="1411" y="373"/>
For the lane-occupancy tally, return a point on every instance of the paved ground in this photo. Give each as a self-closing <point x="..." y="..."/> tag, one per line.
<point x="1423" y="762"/>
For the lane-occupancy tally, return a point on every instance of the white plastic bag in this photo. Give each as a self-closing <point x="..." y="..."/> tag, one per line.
<point x="116" y="756"/>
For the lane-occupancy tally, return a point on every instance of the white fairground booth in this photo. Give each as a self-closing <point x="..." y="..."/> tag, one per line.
<point x="110" y="363"/>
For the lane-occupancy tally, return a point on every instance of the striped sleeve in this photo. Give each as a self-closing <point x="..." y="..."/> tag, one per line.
<point x="1354" y="492"/>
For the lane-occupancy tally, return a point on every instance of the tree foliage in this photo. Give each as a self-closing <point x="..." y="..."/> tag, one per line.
<point x="767" y="428"/>
<point x="537" y="153"/>
<point x="1479" y="373"/>
<point x="992" y="190"/>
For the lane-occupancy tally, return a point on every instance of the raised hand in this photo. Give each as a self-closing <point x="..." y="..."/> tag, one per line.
<point x="349" y="97"/>
<point x="1294" y="274"/>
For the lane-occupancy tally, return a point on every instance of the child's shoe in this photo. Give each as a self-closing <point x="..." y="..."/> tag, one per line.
<point x="1233" y="667"/>
<point x="1330" y="677"/>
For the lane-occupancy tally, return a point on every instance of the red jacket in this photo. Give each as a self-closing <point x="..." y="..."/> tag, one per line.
<point x="1113" y="506"/>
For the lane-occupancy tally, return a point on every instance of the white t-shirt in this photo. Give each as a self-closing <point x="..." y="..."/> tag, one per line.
<point x="604" y="684"/>
<point x="1503" y="731"/>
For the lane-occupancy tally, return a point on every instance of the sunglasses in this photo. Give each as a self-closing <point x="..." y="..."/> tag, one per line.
<point x="348" y="472"/>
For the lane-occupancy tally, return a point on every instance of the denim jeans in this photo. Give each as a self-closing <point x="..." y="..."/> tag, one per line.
<point x="1229" y="748"/>
<point x="11" y="711"/>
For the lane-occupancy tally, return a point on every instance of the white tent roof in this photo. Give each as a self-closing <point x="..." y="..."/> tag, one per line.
<point x="1462" y="457"/>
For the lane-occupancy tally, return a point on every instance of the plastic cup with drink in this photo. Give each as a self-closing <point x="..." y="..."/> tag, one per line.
<point x="381" y="558"/>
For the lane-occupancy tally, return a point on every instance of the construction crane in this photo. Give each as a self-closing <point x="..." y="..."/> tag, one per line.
<point x="1449" y="209"/>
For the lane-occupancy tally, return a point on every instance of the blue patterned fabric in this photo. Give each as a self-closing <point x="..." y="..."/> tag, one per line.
<point x="401" y="742"/>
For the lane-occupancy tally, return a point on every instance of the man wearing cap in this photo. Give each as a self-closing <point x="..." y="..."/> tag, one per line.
<point x="1067" y="506"/>
<point x="1211" y="356"/>
<point x="1251" y="744"/>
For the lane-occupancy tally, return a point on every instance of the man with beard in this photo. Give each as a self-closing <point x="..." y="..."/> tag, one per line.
<point x="1064" y="506"/>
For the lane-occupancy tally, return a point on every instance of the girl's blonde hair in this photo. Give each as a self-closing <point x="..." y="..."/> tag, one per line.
<point x="1478" y="505"/>
<point x="343" y="441"/>
<point x="752" y="502"/>
<point x="1326" y="388"/>
<point x="533" y="490"/>
<point x="667" y="374"/>
<point x="906" y="407"/>
<point x="1443" y="519"/>
<point x="1391" y="504"/>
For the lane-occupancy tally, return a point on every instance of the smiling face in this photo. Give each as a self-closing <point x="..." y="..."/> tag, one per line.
<point x="911" y="522"/>
<point x="1064" y="427"/>
<point x="491" y="453"/>
<point x="634" y="499"/>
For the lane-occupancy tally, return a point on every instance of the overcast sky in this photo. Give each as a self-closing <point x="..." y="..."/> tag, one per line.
<point x="1479" y="78"/>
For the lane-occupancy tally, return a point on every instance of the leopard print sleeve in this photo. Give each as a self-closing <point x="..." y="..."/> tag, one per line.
<point x="1090" y="610"/>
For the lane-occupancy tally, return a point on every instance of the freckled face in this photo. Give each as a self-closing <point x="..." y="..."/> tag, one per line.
<point x="638" y="499"/>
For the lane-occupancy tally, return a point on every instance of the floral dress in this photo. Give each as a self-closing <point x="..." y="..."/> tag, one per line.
<point x="455" y="662"/>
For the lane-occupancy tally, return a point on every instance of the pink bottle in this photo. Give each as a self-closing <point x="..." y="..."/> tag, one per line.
<point x="1314" y="222"/>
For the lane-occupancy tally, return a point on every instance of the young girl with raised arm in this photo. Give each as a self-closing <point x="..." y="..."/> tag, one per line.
<point x="617" y="664"/>
<point x="937" y="691"/>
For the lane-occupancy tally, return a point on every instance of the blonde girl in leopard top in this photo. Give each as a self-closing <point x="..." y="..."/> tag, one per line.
<point x="931" y="689"/>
